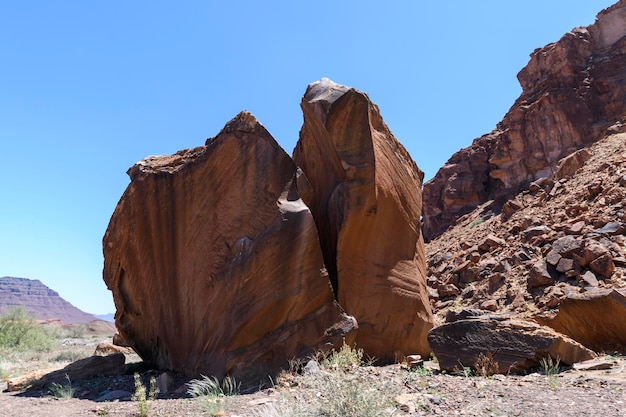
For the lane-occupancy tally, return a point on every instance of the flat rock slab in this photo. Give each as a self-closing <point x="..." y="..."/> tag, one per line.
<point x="514" y="345"/>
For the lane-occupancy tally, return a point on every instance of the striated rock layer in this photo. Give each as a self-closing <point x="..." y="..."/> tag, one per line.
<point x="39" y="300"/>
<point x="214" y="260"/>
<point x="572" y="90"/>
<point x="366" y="202"/>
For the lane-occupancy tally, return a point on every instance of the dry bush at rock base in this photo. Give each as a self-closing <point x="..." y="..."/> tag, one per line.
<point x="486" y="365"/>
<point x="336" y="389"/>
<point x="334" y="394"/>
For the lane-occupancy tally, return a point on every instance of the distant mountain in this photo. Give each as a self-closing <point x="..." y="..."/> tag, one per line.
<point x="39" y="300"/>
<point x="106" y="317"/>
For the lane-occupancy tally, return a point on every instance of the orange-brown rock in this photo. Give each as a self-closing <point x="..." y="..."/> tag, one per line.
<point x="214" y="260"/>
<point x="594" y="318"/>
<point x="366" y="202"/>
<point x="572" y="91"/>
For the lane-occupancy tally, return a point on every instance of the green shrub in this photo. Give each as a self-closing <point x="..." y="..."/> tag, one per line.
<point x="63" y="391"/>
<point x="20" y="331"/>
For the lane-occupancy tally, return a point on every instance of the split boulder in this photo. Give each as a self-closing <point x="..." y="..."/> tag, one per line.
<point x="214" y="260"/>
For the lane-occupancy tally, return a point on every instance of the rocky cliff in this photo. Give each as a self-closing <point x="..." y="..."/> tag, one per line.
<point x="572" y="91"/>
<point x="39" y="300"/>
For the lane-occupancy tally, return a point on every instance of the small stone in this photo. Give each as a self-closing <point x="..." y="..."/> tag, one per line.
<point x="491" y="242"/>
<point x="575" y="229"/>
<point x="589" y="279"/>
<point x="594" y="189"/>
<point x="553" y="258"/>
<point x="311" y="367"/>
<point x="489" y="305"/>
<point x="535" y="231"/>
<point x="164" y="382"/>
<point x="448" y="290"/>
<point x="565" y="265"/>
<point x="612" y="228"/>
<point x="603" y="266"/>
<point x="539" y="276"/>
<point x="115" y="395"/>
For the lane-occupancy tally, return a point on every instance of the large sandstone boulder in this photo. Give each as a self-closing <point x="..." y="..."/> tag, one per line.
<point x="572" y="90"/>
<point x="594" y="318"/>
<point x="366" y="202"/>
<point x="214" y="260"/>
<point x="508" y="345"/>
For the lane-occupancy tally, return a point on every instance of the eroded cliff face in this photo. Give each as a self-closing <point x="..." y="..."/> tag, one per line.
<point x="572" y="90"/>
<point x="366" y="202"/>
<point x="214" y="260"/>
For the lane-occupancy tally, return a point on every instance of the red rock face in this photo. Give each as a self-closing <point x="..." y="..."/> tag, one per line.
<point x="572" y="91"/>
<point x="214" y="260"/>
<point x="366" y="202"/>
<point x="594" y="318"/>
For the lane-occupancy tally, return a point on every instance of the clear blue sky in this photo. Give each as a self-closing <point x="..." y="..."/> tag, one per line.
<point x="89" y="88"/>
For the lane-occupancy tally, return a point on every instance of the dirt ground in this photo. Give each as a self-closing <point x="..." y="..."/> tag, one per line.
<point x="570" y="393"/>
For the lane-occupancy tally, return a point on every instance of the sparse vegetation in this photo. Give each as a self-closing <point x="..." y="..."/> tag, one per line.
<point x="213" y="392"/>
<point x="340" y="392"/>
<point x="551" y="369"/>
<point x="62" y="391"/>
<point x="144" y="396"/>
<point x="345" y="357"/>
<point x="486" y="365"/>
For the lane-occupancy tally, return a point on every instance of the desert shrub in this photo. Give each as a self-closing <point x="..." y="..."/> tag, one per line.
<point x="212" y="393"/>
<point x="337" y="394"/>
<point x="486" y="365"/>
<point x="346" y="357"/>
<point x="19" y="330"/>
<point x="63" y="391"/>
<point x="143" y="396"/>
<point x="551" y="369"/>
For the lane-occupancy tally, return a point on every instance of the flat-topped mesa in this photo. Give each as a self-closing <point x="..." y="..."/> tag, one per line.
<point x="366" y="201"/>
<point x="572" y="91"/>
<point x="214" y="260"/>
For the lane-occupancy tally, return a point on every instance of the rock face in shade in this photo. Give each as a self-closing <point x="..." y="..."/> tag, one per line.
<point x="214" y="260"/>
<point x="572" y="90"/>
<point x="366" y="201"/>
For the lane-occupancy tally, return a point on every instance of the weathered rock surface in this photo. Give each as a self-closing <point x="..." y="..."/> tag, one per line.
<point x="572" y="90"/>
<point x="39" y="300"/>
<point x="214" y="260"/>
<point x="90" y="367"/>
<point x="596" y="318"/>
<point x="366" y="202"/>
<point x="509" y="345"/>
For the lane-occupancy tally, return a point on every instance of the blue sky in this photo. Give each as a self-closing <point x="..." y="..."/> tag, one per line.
<point x="89" y="88"/>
